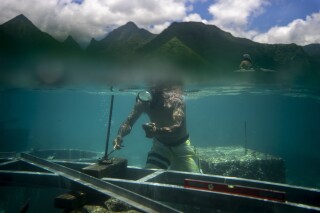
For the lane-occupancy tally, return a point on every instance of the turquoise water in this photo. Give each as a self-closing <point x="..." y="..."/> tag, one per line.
<point x="281" y="120"/>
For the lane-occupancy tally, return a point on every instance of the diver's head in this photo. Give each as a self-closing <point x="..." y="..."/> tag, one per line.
<point x="246" y="57"/>
<point x="159" y="85"/>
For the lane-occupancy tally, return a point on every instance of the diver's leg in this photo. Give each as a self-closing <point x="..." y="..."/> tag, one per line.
<point x="159" y="156"/>
<point x="184" y="158"/>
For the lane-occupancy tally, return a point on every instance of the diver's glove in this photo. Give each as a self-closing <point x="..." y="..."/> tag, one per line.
<point x="150" y="129"/>
<point x="117" y="142"/>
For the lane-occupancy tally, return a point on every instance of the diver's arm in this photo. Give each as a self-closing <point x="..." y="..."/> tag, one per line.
<point x="126" y="126"/>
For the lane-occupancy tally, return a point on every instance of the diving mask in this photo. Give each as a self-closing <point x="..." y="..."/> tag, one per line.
<point x="144" y="96"/>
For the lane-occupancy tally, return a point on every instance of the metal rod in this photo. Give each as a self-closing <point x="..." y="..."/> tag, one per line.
<point x="245" y="138"/>
<point x="109" y="126"/>
<point x="91" y="183"/>
<point x="166" y="186"/>
<point x="111" y="152"/>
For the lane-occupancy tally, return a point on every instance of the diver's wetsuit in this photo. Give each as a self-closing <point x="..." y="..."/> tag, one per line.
<point x="171" y="145"/>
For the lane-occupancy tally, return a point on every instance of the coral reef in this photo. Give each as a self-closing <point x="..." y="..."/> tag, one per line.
<point x="238" y="162"/>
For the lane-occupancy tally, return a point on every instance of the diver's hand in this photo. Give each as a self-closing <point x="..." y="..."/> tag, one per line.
<point x="150" y="129"/>
<point x="117" y="142"/>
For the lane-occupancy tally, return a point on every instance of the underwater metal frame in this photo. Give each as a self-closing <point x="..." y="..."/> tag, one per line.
<point x="154" y="190"/>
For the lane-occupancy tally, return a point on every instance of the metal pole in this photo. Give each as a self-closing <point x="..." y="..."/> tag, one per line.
<point x="245" y="138"/>
<point x="109" y="126"/>
<point x="76" y="179"/>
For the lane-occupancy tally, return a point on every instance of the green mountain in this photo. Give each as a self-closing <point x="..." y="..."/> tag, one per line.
<point x="191" y="46"/>
<point x="24" y="46"/>
<point x="225" y="51"/>
<point x="29" y="56"/>
<point x="69" y="44"/>
<point x="313" y="50"/>
<point x="21" y="36"/>
<point x="217" y="47"/>
<point x="121" y="42"/>
<point x="176" y="52"/>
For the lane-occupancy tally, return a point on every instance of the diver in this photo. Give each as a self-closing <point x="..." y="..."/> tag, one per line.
<point x="246" y="62"/>
<point x="164" y="104"/>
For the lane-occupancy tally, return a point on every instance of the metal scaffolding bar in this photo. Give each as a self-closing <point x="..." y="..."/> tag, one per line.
<point x="142" y="203"/>
<point x="208" y="199"/>
<point x="144" y="189"/>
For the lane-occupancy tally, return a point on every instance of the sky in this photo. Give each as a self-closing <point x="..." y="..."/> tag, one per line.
<point x="265" y="21"/>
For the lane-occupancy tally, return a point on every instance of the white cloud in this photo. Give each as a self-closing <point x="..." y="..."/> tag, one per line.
<point x="194" y="17"/>
<point x="235" y="15"/>
<point x="93" y="18"/>
<point x="299" y="31"/>
<point x="158" y="28"/>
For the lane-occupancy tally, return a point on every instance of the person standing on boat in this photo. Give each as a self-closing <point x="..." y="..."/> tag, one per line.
<point x="164" y="104"/>
<point x="246" y="62"/>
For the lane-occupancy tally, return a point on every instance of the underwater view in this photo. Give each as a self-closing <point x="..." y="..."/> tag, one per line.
<point x="269" y="120"/>
<point x="282" y="122"/>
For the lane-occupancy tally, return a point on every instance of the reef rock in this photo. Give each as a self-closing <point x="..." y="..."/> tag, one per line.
<point x="238" y="162"/>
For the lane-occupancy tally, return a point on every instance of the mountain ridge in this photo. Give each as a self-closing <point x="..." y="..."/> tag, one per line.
<point x="175" y="51"/>
<point x="124" y="40"/>
<point x="186" y="44"/>
<point x="225" y="51"/>
<point x="20" y="36"/>
<point x="71" y="44"/>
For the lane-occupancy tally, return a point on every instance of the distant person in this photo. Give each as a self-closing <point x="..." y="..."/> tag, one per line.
<point x="246" y="62"/>
<point x="165" y="107"/>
